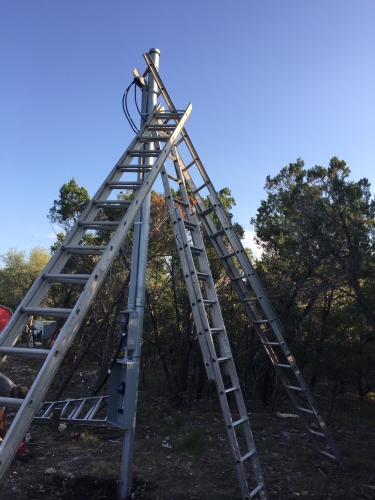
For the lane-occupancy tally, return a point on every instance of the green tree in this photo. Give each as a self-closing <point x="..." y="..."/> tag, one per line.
<point x="71" y="203"/>
<point x="320" y="213"/>
<point x="316" y="228"/>
<point x="19" y="272"/>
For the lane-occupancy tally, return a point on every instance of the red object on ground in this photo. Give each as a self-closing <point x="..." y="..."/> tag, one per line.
<point x="21" y="448"/>
<point x="5" y="315"/>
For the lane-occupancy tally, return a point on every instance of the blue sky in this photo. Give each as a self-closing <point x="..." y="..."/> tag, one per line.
<point x="269" y="80"/>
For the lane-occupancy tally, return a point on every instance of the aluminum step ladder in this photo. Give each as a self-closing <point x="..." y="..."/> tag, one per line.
<point x="256" y="303"/>
<point x="209" y="323"/>
<point x="171" y="124"/>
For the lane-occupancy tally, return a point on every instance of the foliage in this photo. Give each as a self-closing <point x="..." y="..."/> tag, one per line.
<point x="316" y="228"/>
<point x="72" y="202"/>
<point x="19" y="272"/>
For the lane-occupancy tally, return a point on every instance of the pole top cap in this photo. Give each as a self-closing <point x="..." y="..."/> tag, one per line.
<point x="154" y="50"/>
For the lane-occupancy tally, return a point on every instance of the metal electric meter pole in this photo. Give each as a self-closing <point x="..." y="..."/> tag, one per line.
<point x="122" y="404"/>
<point x="194" y="207"/>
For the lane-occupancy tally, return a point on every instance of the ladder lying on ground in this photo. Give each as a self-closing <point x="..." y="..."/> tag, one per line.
<point x="86" y="411"/>
<point x="160" y="121"/>
<point x="241" y="273"/>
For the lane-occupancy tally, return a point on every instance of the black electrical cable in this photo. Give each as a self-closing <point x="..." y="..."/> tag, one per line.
<point x="126" y="111"/>
<point x="132" y="126"/>
<point x="135" y="100"/>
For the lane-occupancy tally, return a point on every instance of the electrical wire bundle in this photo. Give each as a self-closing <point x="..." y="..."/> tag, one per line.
<point x="126" y="110"/>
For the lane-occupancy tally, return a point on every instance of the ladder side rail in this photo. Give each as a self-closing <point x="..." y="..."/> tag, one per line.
<point x="58" y="351"/>
<point x="196" y="235"/>
<point x="38" y="290"/>
<point x="224" y="347"/>
<point x="159" y="82"/>
<point x="194" y="294"/>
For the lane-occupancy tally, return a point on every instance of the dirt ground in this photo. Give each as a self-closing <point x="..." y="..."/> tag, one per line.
<point x="182" y="453"/>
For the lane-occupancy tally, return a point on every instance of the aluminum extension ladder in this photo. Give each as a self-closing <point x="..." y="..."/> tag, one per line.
<point x="210" y="329"/>
<point x="169" y="122"/>
<point x="256" y="303"/>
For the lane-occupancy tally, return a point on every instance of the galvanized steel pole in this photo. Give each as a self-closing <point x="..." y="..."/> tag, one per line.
<point x="137" y="287"/>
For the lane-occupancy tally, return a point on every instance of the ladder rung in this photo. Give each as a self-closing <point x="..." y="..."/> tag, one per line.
<point x="209" y="303"/>
<point x="65" y="407"/>
<point x="46" y="411"/>
<point x="216" y="330"/>
<point x="144" y="153"/>
<point x="94" y="409"/>
<point x="256" y="490"/>
<point x="134" y="168"/>
<point x="248" y="455"/>
<point x="174" y="179"/>
<point x="317" y="433"/>
<point x="260" y="321"/>
<point x="124" y="185"/>
<point x="181" y="139"/>
<point x="11" y="402"/>
<point x="149" y="138"/>
<point x="231" y="390"/>
<point x="180" y="202"/>
<point x="169" y="127"/>
<point x="202" y="276"/>
<point x="294" y="388"/>
<point x="190" y="164"/>
<point x="84" y="249"/>
<point x="97" y="224"/>
<point x="207" y="211"/>
<point x="200" y="187"/>
<point x="78" y="410"/>
<point x="169" y="115"/>
<point x="72" y="411"/>
<point x="282" y="366"/>
<point x="250" y="299"/>
<point x="223" y="359"/>
<point x="305" y="410"/>
<point x="67" y="278"/>
<point x="47" y="311"/>
<point x="195" y="250"/>
<point x="241" y="420"/>
<point x="241" y="277"/>
<point x="219" y="233"/>
<point x="327" y="454"/>
<point x="189" y="225"/>
<point x="24" y="352"/>
<point x="228" y="255"/>
<point x="271" y="343"/>
<point x="111" y="203"/>
<point x="89" y="413"/>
